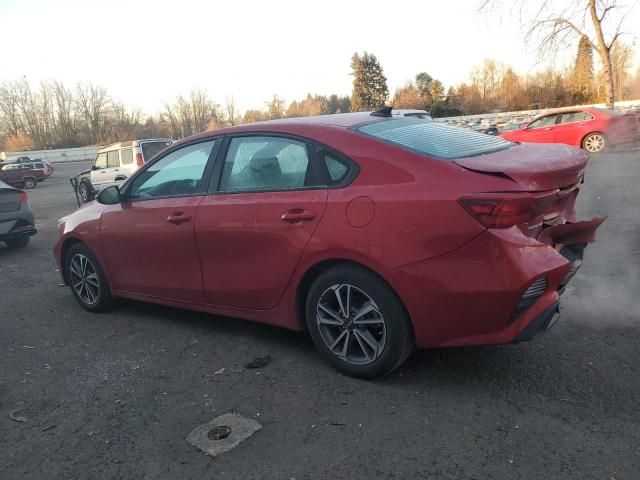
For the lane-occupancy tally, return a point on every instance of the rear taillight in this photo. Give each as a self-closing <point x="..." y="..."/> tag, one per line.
<point x="503" y="210"/>
<point x="23" y="198"/>
<point x="139" y="160"/>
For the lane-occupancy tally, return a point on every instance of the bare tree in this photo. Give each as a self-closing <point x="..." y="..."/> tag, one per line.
<point x="231" y="111"/>
<point x="555" y="24"/>
<point x="93" y="104"/>
<point x="621" y="60"/>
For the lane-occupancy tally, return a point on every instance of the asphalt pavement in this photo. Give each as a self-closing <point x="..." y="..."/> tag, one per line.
<point x="114" y="395"/>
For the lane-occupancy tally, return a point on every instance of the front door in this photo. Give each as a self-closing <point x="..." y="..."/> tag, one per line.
<point x="540" y="131"/>
<point x="252" y="233"/>
<point x="148" y="239"/>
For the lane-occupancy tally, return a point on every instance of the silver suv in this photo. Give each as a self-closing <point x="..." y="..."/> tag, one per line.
<point x="115" y="163"/>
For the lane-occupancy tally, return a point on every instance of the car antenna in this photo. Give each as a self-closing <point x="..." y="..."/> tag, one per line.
<point x="383" y="112"/>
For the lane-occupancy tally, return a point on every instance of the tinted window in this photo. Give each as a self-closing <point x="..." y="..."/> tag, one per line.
<point x="544" y="122"/>
<point x="149" y="149"/>
<point x="113" y="159"/>
<point x="265" y="163"/>
<point x="179" y="173"/>
<point x="434" y="139"/>
<point x="126" y="155"/>
<point x="575" y="117"/>
<point x="101" y="161"/>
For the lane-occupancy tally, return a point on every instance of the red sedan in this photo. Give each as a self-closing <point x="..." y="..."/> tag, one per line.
<point x="594" y="129"/>
<point x="372" y="233"/>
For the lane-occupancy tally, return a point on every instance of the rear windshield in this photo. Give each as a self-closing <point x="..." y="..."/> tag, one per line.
<point x="434" y="139"/>
<point x="149" y="149"/>
<point x="608" y="111"/>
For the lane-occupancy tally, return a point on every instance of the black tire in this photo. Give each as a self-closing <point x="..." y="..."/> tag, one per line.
<point x="101" y="295"/>
<point x="18" y="242"/>
<point x="84" y="191"/>
<point x="595" y="142"/>
<point x="29" y="182"/>
<point x="392" y="322"/>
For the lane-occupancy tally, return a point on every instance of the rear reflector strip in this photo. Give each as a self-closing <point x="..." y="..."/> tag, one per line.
<point x="529" y="297"/>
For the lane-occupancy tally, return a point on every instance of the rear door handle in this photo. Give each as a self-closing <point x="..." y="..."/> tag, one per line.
<point x="178" y="218"/>
<point x="297" y="215"/>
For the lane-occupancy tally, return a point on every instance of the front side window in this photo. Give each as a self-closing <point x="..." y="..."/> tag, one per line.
<point x="179" y="173"/>
<point x="266" y="163"/>
<point x="101" y="162"/>
<point x="113" y="159"/>
<point x="544" y="122"/>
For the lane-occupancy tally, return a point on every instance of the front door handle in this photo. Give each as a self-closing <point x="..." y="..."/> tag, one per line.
<point x="178" y="218"/>
<point x="297" y="215"/>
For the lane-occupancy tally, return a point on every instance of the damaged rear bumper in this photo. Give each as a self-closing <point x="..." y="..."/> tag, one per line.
<point x="570" y="239"/>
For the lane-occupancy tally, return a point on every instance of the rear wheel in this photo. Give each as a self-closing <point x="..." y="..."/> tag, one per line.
<point x="29" y="183"/>
<point x="357" y="322"/>
<point x="87" y="279"/>
<point x="595" y="142"/>
<point x="18" y="242"/>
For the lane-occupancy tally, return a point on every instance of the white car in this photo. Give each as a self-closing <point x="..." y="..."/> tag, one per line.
<point x="115" y="163"/>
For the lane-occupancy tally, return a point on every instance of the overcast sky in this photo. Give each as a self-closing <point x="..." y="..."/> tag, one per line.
<point x="146" y="52"/>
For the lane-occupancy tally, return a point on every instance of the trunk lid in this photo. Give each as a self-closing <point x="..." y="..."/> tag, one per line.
<point x="535" y="167"/>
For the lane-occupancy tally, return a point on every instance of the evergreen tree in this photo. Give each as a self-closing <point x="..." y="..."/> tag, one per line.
<point x="582" y="77"/>
<point x="370" y="89"/>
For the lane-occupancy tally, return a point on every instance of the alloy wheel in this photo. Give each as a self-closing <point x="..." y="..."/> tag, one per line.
<point x="84" y="279"/>
<point x="351" y="324"/>
<point x="594" y="143"/>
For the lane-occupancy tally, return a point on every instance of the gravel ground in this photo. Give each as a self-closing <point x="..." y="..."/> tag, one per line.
<point x="114" y="395"/>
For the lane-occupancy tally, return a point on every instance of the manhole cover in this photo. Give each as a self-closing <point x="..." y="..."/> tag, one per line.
<point x="218" y="433"/>
<point x="222" y="433"/>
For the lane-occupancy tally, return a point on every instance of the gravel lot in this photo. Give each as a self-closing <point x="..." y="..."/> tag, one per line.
<point x="114" y="395"/>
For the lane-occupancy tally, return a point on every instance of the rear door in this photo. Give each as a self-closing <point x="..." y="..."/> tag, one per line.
<point x="572" y="127"/>
<point x="253" y="230"/>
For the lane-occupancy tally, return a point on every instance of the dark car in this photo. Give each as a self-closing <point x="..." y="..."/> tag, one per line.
<point x="16" y="218"/>
<point x="22" y="175"/>
<point x="374" y="233"/>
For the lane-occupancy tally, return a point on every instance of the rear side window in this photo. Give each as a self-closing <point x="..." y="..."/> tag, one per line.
<point x="337" y="169"/>
<point x="434" y="139"/>
<point x="149" y="149"/>
<point x="113" y="159"/>
<point x="265" y="163"/>
<point x="126" y="155"/>
<point x="570" y="117"/>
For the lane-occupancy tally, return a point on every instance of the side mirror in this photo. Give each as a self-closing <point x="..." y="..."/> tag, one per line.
<point x="109" y="196"/>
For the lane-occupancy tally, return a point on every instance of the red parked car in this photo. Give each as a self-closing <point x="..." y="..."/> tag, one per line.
<point x="594" y="129"/>
<point x="372" y="233"/>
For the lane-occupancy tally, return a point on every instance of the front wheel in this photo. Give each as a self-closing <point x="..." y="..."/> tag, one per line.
<point x="87" y="280"/>
<point x="595" y="142"/>
<point x="29" y="183"/>
<point x="357" y="322"/>
<point x="85" y="191"/>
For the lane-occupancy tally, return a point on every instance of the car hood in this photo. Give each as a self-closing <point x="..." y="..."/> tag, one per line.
<point x="536" y="167"/>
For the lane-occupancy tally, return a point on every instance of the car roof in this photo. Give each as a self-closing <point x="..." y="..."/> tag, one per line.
<point x="292" y="125"/>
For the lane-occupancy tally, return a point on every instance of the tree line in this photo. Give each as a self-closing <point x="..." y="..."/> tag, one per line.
<point x="54" y="115"/>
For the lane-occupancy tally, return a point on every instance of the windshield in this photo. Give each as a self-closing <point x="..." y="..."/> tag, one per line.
<point x="434" y="139"/>
<point x="149" y="149"/>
